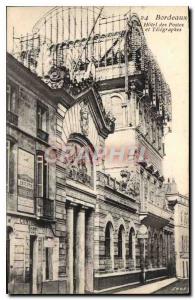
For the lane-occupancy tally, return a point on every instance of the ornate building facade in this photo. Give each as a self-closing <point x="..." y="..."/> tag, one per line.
<point x="78" y="221"/>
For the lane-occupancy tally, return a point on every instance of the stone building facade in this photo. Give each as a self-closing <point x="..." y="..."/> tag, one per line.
<point x="181" y="227"/>
<point x="76" y="224"/>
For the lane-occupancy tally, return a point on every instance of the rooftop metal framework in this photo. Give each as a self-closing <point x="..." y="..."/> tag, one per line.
<point x="69" y="45"/>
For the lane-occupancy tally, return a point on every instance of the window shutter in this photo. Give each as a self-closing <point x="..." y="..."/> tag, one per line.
<point x="45" y="180"/>
<point x="40" y="175"/>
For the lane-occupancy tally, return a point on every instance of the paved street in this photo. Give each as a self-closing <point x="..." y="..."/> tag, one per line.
<point x="149" y="288"/>
<point x="178" y="287"/>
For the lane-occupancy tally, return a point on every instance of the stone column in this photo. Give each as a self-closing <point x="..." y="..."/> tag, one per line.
<point x="89" y="256"/>
<point x="70" y="237"/>
<point x="80" y="252"/>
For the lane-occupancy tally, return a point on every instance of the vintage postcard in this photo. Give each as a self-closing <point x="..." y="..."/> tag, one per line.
<point x="97" y="150"/>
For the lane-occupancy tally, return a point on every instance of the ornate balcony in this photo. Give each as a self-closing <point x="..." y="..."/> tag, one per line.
<point x="12" y="118"/>
<point x="42" y="135"/>
<point x="45" y="208"/>
<point x="118" y="194"/>
<point x="153" y="214"/>
<point x="122" y="186"/>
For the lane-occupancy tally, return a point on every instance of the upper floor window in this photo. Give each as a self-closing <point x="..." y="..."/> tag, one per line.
<point x="11" y="95"/>
<point x="42" y="122"/>
<point x="42" y="176"/>
<point x="9" y="166"/>
<point x="42" y="113"/>
<point x="12" y="104"/>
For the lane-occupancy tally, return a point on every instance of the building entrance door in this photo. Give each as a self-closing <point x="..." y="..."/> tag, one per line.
<point x="8" y="264"/>
<point x="79" y="250"/>
<point x="33" y="265"/>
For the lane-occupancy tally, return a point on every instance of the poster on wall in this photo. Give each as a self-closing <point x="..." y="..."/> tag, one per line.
<point x="25" y="181"/>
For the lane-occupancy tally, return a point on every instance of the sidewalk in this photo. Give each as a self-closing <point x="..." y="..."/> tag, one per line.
<point x="149" y="288"/>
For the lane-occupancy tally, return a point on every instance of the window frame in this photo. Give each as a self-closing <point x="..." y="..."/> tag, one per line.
<point x="131" y="249"/>
<point x="108" y="241"/>
<point x="12" y="88"/>
<point x="120" y="242"/>
<point x="48" y="263"/>
<point x="44" y="175"/>
<point x="41" y="110"/>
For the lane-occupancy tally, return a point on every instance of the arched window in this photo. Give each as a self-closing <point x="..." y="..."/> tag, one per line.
<point x="161" y="250"/>
<point x="108" y="240"/>
<point x="149" y="254"/>
<point x="120" y="241"/>
<point x="155" y="250"/>
<point x="131" y="243"/>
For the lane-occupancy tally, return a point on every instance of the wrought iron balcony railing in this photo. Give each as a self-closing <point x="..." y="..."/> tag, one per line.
<point x="12" y="118"/>
<point x="45" y="208"/>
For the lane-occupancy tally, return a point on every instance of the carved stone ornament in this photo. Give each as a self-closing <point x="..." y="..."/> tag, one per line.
<point x="84" y="118"/>
<point x="55" y="78"/>
<point x="129" y="183"/>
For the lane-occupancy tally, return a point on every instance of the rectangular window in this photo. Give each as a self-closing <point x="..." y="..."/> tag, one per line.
<point x="42" y="176"/>
<point x="8" y="97"/>
<point x="42" y="113"/>
<point x="9" y="167"/>
<point x="48" y="263"/>
<point x="11" y="97"/>
<point x="7" y="164"/>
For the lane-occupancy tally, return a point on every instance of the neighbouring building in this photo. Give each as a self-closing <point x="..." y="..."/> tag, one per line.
<point x="85" y="224"/>
<point x="181" y="224"/>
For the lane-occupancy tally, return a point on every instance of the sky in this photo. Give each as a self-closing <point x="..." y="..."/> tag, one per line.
<point x="171" y="52"/>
